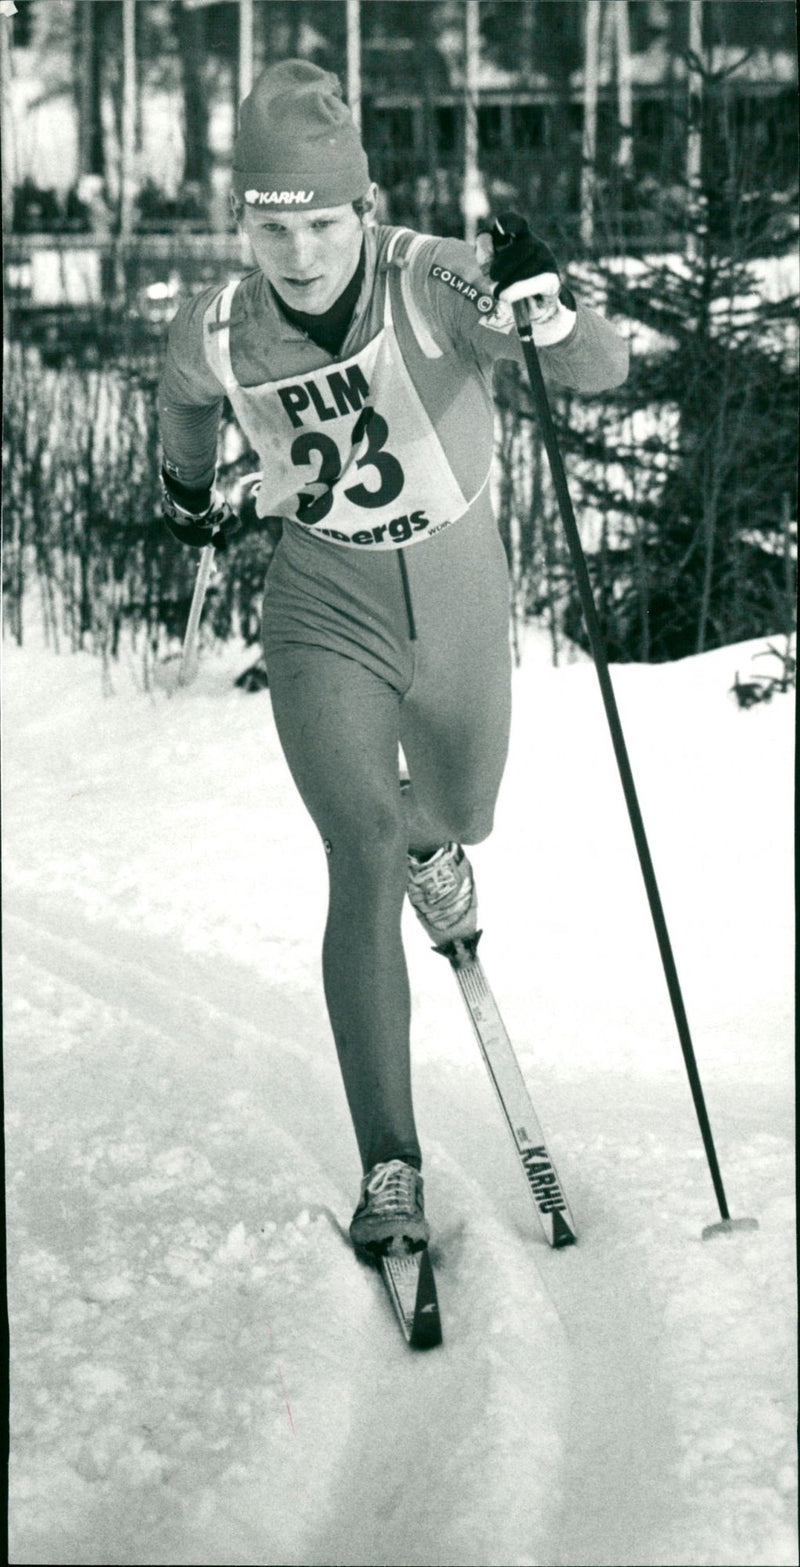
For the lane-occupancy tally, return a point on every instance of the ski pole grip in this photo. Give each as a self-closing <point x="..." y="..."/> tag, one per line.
<point x="500" y="239"/>
<point x="188" y="664"/>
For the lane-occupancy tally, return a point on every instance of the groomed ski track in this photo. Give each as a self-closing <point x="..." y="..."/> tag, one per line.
<point x="551" y="1370"/>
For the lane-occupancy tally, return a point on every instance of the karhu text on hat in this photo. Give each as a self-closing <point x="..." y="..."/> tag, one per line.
<point x="282" y="198"/>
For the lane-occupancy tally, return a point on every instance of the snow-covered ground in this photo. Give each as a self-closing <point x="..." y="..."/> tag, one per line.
<point x="201" y="1372"/>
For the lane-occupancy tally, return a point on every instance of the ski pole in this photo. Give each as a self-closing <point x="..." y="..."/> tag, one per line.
<point x="188" y="667"/>
<point x="542" y="406"/>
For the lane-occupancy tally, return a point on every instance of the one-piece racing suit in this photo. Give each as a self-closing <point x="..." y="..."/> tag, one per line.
<point x="386" y="605"/>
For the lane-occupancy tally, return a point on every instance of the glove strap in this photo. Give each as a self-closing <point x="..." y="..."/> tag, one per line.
<point x="196" y="528"/>
<point x="181" y="501"/>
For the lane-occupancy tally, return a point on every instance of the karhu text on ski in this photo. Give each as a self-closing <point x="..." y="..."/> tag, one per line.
<point x="390" y="1216"/>
<point x="442" y="891"/>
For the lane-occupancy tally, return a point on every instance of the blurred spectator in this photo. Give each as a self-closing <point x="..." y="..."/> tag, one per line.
<point x="92" y="196"/>
<point x="157" y="211"/>
<point x="76" y="212"/>
<point x="35" y="211"/>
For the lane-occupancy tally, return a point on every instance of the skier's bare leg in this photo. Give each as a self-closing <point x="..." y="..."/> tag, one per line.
<point x="456" y="717"/>
<point x="338" y="725"/>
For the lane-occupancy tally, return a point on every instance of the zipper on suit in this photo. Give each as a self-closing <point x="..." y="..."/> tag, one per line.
<point x="412" y="630"/>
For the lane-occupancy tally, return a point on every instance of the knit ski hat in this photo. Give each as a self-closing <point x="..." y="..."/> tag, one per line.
<point x="297" y="146"/>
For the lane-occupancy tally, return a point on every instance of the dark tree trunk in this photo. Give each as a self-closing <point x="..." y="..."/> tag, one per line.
<point x="89" y="40"/>
<point x="191" y="31"/>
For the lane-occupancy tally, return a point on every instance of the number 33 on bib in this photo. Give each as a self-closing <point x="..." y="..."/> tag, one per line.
<point x="349" y="451"/>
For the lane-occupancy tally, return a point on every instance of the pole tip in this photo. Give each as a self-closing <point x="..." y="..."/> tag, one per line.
<point x="727" y="1226"/>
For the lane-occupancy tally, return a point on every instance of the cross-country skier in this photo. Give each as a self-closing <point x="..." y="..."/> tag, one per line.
<point x="358" y="360"/>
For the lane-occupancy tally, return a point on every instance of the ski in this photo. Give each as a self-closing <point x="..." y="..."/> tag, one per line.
<point x="410" y="1282"/>
<point x="503" y="1068"/>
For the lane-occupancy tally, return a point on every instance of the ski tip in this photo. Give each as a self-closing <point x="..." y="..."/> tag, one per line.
<point x="426" y="1335"/>
<point x="426" y="1331"/>
<point x="563" y="1234"/>
<point x="411" y="1283"/>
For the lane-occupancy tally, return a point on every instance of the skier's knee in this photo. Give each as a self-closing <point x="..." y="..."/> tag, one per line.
<point x="371" y="837"/>
<point x="474" y="823"/>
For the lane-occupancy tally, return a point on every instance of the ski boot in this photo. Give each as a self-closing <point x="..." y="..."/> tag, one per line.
<point x="390" y="1217"/>
<point x="442" y="891"/>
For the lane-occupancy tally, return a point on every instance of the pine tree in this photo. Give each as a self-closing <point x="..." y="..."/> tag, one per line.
<point x="694" y="547"/>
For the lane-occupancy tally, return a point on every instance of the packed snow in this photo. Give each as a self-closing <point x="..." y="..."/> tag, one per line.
<point x="201" y="1371"/>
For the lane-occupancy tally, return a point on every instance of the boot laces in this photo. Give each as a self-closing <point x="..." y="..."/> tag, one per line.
<point x="393" y="1189"/>
<point x="440" y="881"/>
<point x="439" y="889"/>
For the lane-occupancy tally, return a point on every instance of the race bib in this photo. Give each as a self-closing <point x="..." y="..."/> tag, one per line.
<point x="349" y="451"/>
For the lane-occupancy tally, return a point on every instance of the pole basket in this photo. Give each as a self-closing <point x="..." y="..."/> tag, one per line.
<point x="727" y="1226"/>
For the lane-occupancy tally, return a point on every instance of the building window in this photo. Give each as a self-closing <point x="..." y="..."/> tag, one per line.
<point x="447" y="134"/>
<point x="490" y="127"/>
<point x="528" y="124"/>
<point x="387" y="129"/>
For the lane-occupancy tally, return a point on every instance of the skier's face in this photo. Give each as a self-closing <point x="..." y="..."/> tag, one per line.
<point x="308" y="257"/>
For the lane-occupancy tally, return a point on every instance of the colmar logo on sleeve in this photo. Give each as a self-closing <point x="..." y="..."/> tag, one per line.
<point x="484" y="303"/>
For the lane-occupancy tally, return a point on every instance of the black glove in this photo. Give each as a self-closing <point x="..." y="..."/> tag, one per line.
<point x="520" y="258"/>
<point x="196" y="517"/>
